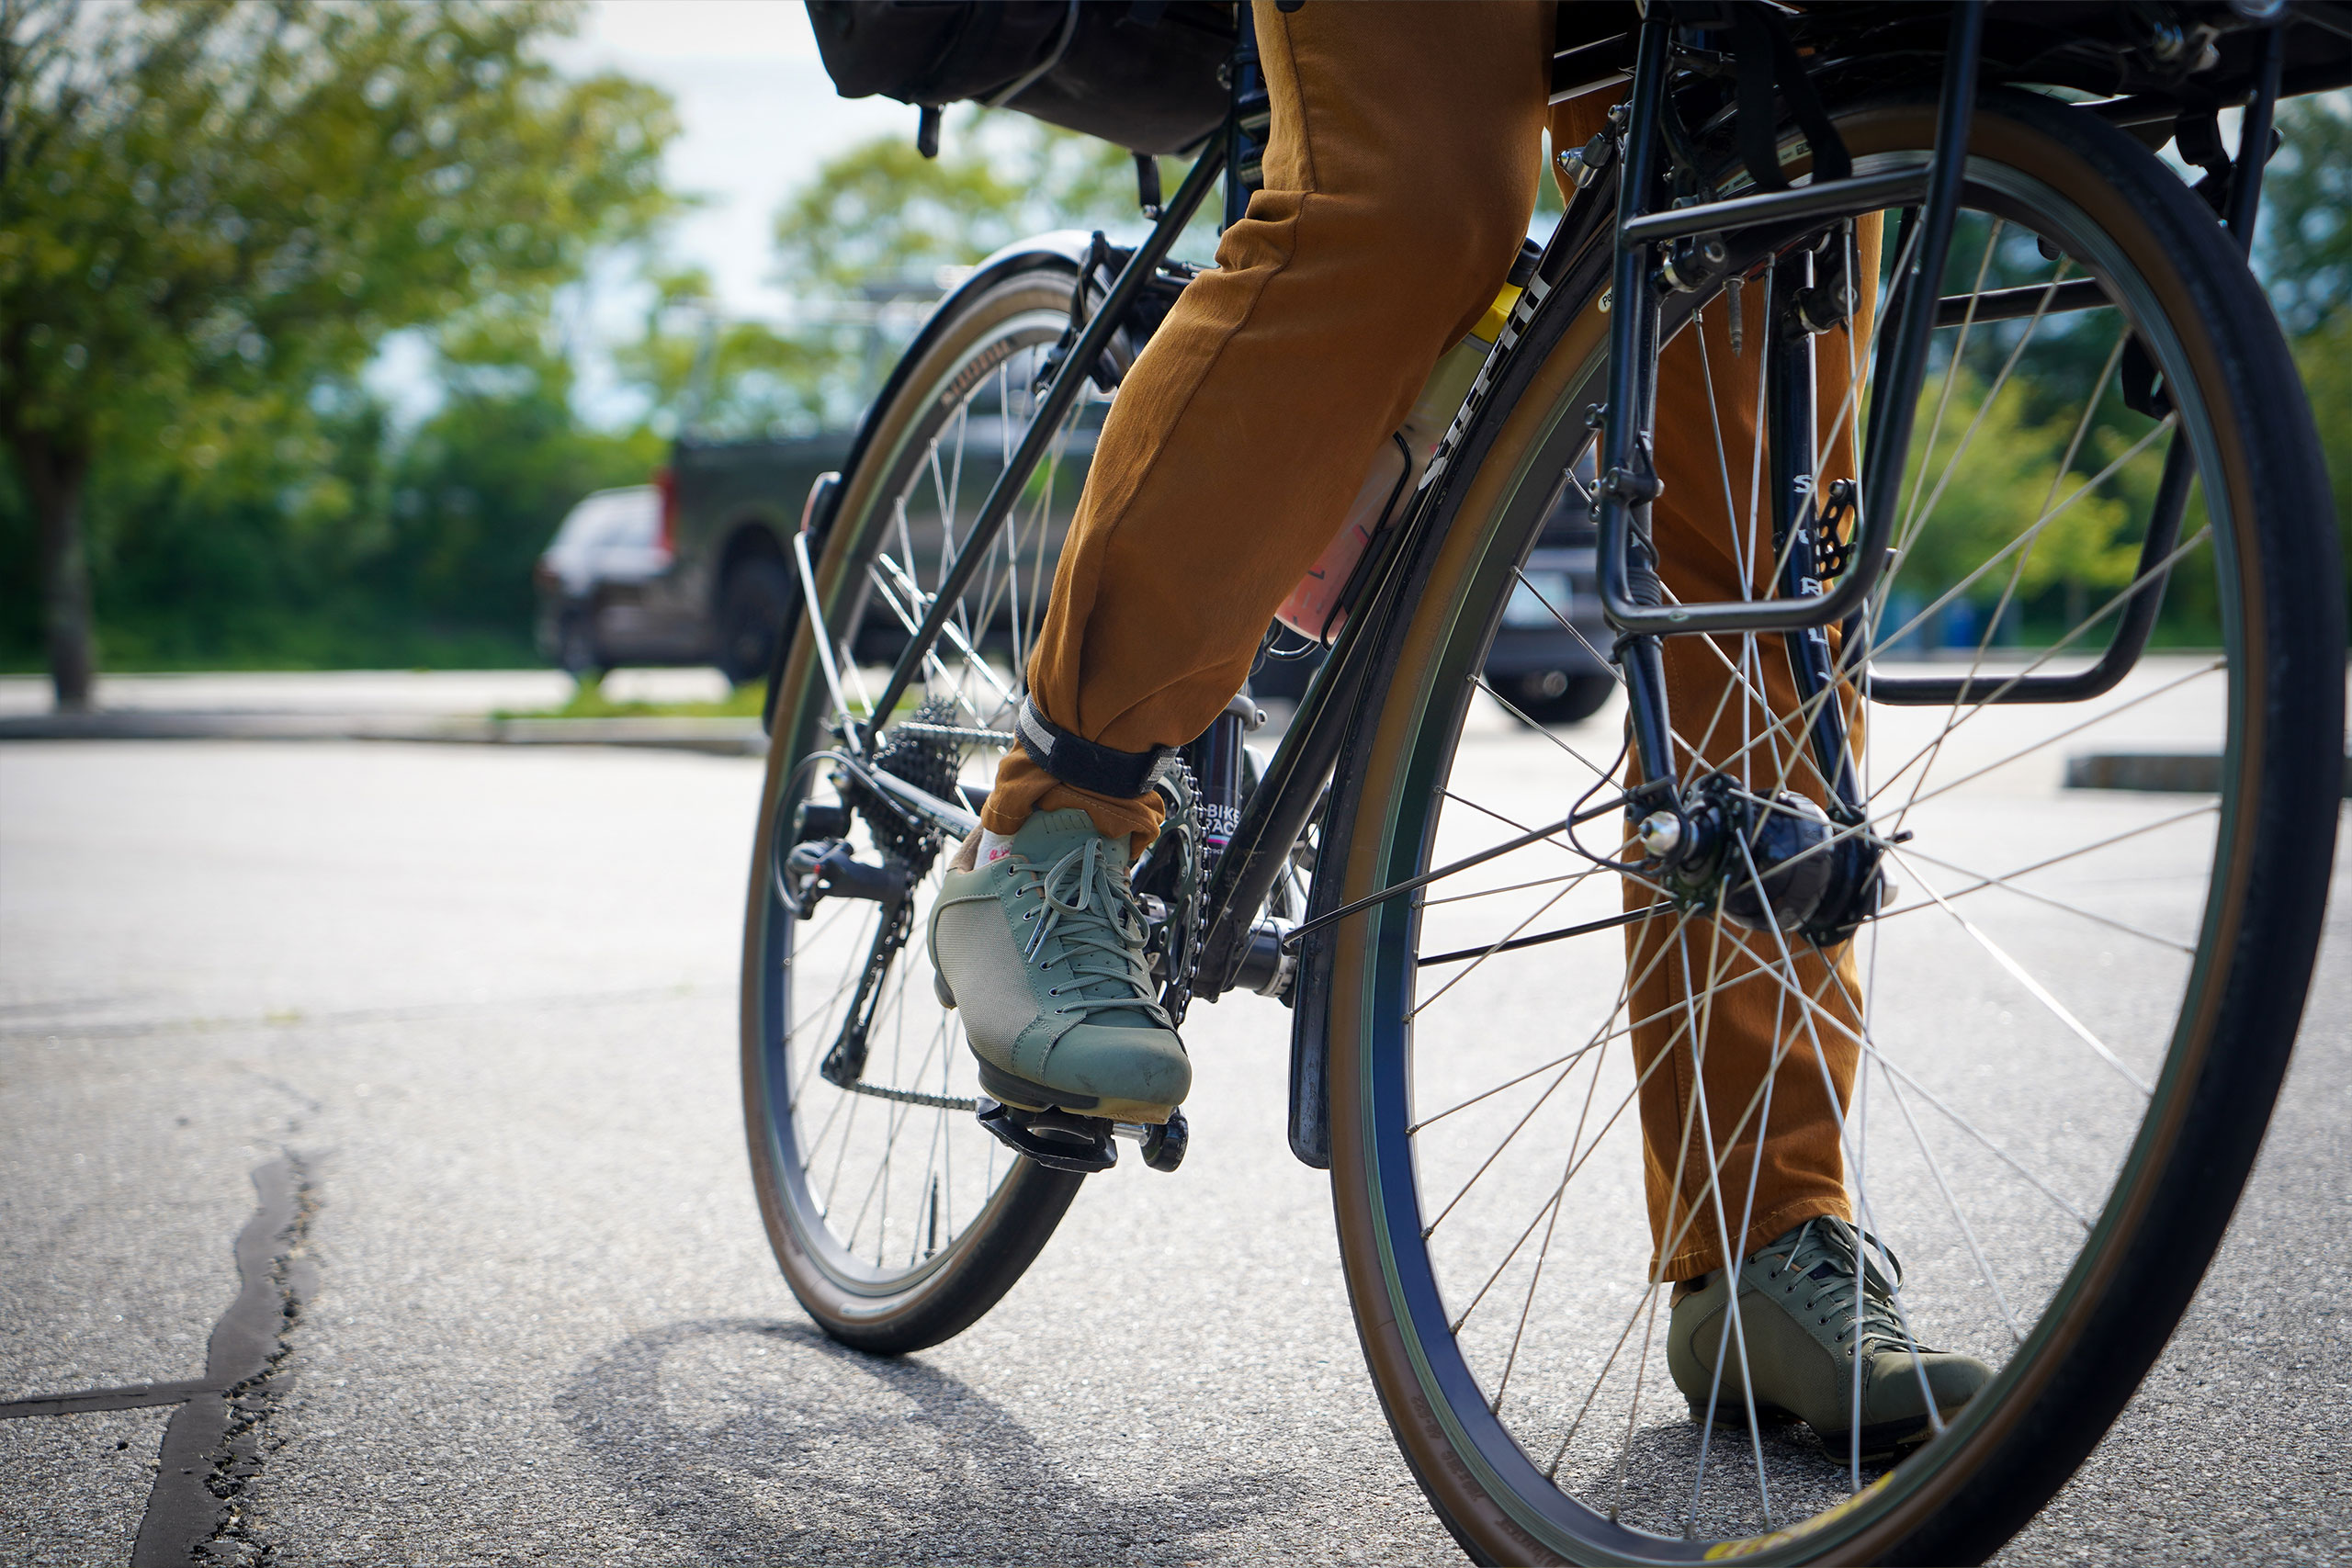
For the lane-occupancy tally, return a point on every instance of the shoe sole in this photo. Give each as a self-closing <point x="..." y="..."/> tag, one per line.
<point x="1882" y="1444"/>
<point x="1009" y="1089"/>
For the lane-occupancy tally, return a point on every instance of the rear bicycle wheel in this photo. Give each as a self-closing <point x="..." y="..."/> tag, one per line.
<point x="2060" y="1042"/>
<point x="897" y="1220"/>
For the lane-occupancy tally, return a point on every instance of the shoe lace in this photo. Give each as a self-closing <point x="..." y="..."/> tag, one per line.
<point x="1090" y="908"/>
<point x="1823" y="1253"/>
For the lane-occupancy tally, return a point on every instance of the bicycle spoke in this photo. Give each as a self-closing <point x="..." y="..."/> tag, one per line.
<point x="1851" y="1059"/>
<point x="1828" y="1083"/>
<point x="1568" y="876"/>
<point x="1728" y="1250"/>
<point x="891" y="1187"/>
<point x="1921" y="795"/>
<point x="1552" y="1471"/>
<point x="2006" y="885"/>
<point x="2033" y="986"/>
<point x="1521" y="1124"/>
<point x="1873" y="1052"/>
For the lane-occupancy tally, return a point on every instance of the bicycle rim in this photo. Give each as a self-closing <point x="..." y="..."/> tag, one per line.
<point x="898" y="1219"/>
<point x="1486" y="1088"/>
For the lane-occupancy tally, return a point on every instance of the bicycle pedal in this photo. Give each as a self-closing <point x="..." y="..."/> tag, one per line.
<point x="1163" y="1147"/>
<point x="1058" y="1140"/>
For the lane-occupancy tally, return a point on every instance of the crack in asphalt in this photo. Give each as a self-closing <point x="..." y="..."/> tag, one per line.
<point x="200" y="1510"/>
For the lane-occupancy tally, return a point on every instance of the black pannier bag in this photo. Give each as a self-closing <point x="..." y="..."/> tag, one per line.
<point x="1145" y="75"/>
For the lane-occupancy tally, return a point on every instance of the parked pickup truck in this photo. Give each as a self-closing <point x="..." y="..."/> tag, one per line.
<point x="690" y="569"/>
<point x="694" y="570"/>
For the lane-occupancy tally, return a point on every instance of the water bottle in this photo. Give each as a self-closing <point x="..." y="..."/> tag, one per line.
<point x="1317" y="608"/>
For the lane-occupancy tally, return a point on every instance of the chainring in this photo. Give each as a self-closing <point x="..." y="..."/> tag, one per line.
<point x="1185" y="928"/>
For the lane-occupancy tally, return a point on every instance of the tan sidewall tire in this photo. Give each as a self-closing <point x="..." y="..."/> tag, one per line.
<point x="989" y="1254"/>
<point x="1919" y="1507"/>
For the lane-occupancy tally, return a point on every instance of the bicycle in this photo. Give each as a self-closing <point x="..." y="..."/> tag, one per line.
<point x="2066" y="331"/>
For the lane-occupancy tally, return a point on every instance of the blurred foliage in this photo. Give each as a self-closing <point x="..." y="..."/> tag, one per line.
<point x="1990" y="467"/>
<point x="213" y="215"/>
<point x="879" y="228"/>
<point x="2304" y="259"/>
<point x="2307" y="211"/>
<point x="210" y="215"/>
<point x="2325" y="356"/>
<point x="475" y="494"/>
<point x="732" y="378"/>
<point x="883" y="212"/>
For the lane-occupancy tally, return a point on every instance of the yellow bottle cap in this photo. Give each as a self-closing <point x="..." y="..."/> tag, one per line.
<point x="1490" y="326"/>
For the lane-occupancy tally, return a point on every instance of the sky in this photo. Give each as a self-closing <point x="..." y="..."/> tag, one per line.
<point x="757" y="115"/>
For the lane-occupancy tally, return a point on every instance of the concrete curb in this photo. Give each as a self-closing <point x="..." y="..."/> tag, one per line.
<point x="2176" y="772"/>
<point x="2172" y="772"/>
<point x="717" y="736"/>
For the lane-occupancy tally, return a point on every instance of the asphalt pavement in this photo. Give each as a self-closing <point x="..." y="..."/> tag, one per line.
<point x="469" y="1016"/>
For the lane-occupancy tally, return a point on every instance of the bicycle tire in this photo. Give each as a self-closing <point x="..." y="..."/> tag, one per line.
<point x="974" y="342"/>
<point x="1957" y="1498"/>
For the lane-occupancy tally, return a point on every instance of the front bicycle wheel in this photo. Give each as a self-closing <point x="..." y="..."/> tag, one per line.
<point x="2046" y="1060"/>
<point x="897" y="1220"/>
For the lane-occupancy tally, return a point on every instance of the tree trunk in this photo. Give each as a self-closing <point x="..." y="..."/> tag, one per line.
<point x="54" y="474"/>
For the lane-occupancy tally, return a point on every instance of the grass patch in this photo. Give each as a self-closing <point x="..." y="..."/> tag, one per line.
<point x="588" y="701"/>
<point x="286" y="642"/>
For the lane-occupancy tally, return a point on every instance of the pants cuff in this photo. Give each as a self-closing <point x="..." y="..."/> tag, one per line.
<point x="1022" y="787"/>
<point x="1696" y="1257"/>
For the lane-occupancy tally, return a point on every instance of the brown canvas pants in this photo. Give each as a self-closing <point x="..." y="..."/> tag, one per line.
<point x="1402" y="169"/>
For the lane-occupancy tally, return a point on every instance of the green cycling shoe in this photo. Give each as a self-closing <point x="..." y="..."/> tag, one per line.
<point x="1042" y="951"/>
<point x="1797" y="1317"/>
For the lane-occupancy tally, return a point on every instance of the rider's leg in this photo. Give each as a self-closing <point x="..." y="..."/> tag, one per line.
<point x="1768" y="1062"/>
<point x="1405" y="149"/>
<point x="1400" y="172"/>
<point x="1748" y="1078"/>
<point x="1713" y="532"/>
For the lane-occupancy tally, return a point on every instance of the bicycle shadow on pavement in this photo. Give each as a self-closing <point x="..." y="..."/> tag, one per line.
<point x="767" y="1442"/>
<point x="1664" y="1474"/>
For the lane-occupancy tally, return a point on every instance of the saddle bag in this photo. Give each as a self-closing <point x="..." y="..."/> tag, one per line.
<point x="1146" y="76"/>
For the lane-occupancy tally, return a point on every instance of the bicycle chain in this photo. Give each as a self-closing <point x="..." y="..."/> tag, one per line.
<point x="914" y="1096"/>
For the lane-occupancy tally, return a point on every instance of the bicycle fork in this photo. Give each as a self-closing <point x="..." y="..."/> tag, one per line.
<point x="1717" y="840"/>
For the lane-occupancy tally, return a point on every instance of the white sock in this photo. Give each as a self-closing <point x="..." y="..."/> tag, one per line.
<point x="993" y="847"/>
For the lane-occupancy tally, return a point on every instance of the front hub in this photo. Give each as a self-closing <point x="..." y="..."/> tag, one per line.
<point x="1780" y="863"/>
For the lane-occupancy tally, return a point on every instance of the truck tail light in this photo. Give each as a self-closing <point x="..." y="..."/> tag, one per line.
<point x="666" y="482"/>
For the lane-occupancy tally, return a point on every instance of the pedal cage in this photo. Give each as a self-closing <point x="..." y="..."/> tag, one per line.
<point x="1063" y="1140"/>
<point x="1057" y="1140"/>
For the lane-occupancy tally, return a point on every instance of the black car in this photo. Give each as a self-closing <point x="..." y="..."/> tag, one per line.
<point x="1548" y="657"/>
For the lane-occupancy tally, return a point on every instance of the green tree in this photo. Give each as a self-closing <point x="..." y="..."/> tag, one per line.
<point x="881" y="210"/>
<point x="2325" y="357"/>
<point x="2305" y="260"/>
<point x="879" y="227"/>
<point x="732" y="378"/>
<point x="207" y="209"/>
<point x="480" y="486"/>
<point x="2306" y="255"/>
<point x="1979" y="499"/>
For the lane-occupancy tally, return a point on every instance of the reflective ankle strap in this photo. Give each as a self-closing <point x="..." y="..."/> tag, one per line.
<point x="1082" y="764"/>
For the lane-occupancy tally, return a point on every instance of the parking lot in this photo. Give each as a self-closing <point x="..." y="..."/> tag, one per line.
<point x="471" y="1012"/>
